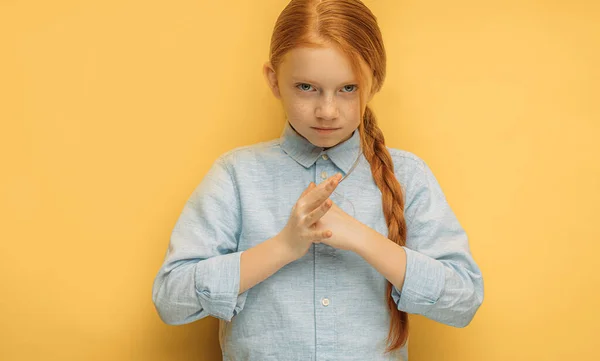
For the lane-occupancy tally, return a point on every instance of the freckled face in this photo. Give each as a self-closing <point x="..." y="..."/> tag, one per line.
<point x="318" y="89"/>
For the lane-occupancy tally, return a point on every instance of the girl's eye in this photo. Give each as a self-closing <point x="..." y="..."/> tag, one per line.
<point x="304" y="87"/>
<point x="307" y="87"/>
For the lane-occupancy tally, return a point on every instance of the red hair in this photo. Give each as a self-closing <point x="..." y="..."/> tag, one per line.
<point x="350" y="26"/>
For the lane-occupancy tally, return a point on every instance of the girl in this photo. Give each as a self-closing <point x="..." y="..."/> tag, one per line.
<point x="316" y="245"/>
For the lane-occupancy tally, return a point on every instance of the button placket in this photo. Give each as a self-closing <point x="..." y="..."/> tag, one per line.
<point x="325" y="322"/>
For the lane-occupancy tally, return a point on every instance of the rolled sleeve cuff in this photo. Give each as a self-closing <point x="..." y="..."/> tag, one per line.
<point x="217" y="281"/>
<point x="424" y="282"/>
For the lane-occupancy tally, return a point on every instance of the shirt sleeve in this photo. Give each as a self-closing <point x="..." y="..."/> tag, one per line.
<point x="442" y="281"/>
<point x="200" y="275"/>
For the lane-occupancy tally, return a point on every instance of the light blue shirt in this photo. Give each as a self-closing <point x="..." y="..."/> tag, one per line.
<point x="329" y="304"/>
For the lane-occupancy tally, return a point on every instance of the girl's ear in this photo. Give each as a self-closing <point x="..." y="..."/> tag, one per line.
<point x="271" y="78"/>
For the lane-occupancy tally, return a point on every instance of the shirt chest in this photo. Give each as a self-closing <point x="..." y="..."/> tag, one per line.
<point x="267" y="196"/>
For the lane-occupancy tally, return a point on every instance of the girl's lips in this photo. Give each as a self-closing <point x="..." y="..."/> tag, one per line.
<point x="325" y="131"/>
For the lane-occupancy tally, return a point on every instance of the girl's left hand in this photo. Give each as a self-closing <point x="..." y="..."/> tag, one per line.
<point x="346" y="231"/>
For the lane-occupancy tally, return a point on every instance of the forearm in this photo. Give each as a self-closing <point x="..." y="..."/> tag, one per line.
<point x="387" y="257"/>
<point x="447" y="292"/>
<point x="261" y="261"/>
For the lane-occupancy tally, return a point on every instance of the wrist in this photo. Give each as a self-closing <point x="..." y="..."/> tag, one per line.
<point x="282" y="251"/>
<point x="361" y="238"/>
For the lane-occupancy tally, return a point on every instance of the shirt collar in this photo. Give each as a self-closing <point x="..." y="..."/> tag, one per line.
<point x="304" y="152"/>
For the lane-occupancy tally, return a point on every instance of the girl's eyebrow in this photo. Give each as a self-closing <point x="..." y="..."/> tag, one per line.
<point x="298" y="79"/>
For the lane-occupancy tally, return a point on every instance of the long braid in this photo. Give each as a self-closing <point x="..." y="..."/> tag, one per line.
<point x="382" y="168"/>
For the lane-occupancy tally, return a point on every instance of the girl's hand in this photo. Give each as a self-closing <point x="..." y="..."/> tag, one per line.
<point x="302" y="229"/>
<point x="347" y="231"/>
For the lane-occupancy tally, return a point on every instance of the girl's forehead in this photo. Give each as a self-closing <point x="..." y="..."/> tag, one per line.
<point x="322" y="62"/>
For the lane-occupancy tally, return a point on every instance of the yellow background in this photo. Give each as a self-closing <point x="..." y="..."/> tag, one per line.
<point x="112" y="111"/>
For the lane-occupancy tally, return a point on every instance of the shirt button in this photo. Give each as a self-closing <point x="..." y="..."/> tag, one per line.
<point x="325" y="302"/>
<point x="325" y="156"/>
<point x="324" y="175"/>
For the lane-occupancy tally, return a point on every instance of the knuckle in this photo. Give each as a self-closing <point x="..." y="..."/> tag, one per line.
<point x="304" y="219"/>
<point x="307" y="219"/>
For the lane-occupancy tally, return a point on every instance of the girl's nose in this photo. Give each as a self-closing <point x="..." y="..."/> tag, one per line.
<point x="327" y="109"/>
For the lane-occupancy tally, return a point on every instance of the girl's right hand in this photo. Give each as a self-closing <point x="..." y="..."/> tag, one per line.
<point x="302" y="229"/>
